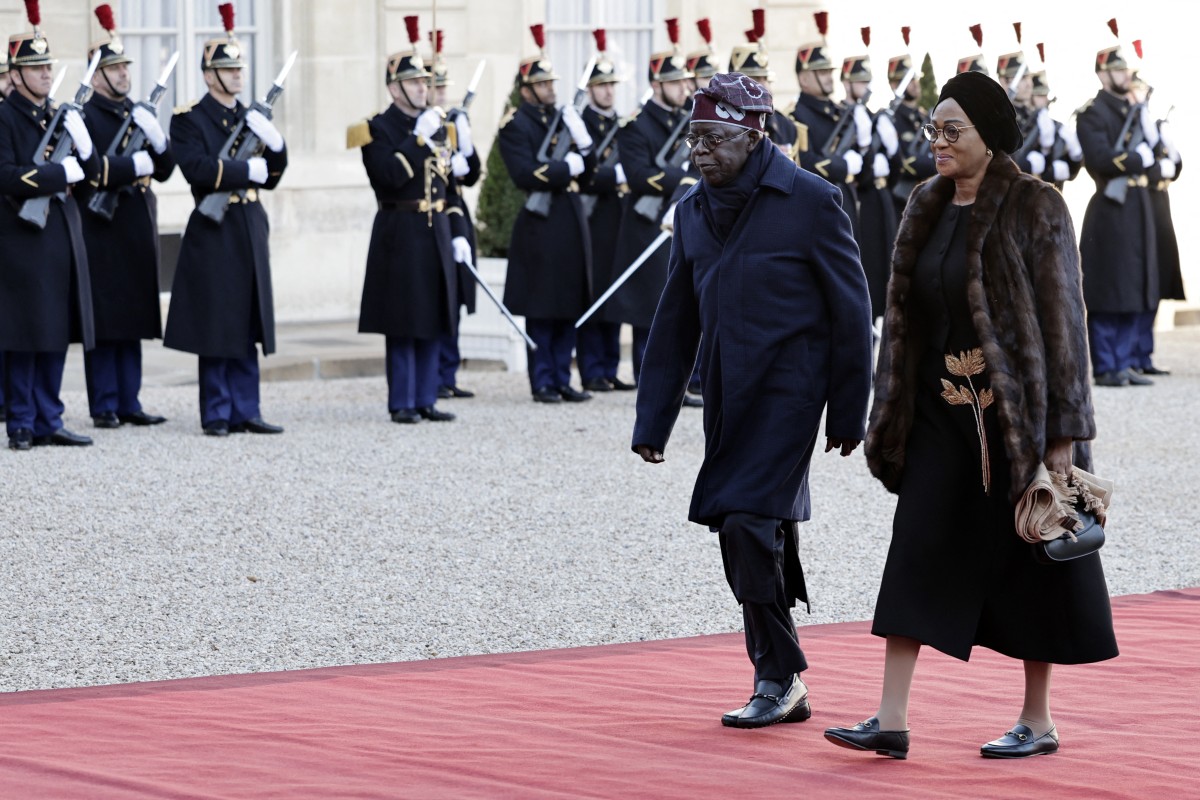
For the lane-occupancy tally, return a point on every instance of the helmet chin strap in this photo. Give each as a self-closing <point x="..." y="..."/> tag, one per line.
<point x="221" y="81"/>
<point x="407" y="99"/>
<point x="112" y="88"/>
<point x="537" y="95"/>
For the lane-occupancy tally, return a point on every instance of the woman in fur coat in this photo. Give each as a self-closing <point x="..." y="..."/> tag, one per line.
<point x="983" y="373"/>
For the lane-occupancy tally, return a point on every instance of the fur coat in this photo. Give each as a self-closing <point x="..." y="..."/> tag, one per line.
<point x="1024" y="290"/>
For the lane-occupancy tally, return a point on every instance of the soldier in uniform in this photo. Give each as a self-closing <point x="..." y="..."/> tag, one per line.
<point x="5" y="88"/>
<point x="913" y="161"/>
<point x="1013" y="74"/>
<point x="1059" y="144"/>
<point x="550" y="255"/>
<point x="598" y="347"/>
<point x="123" y="250"/>
<point x="1118" y="244"/>
<point x="752" y="61"/>
<point x="45" y="294"/>
<point x="467" y="168"/>
<point x="655" y="161"/>
<point x="410" y="292"/>
<point x="221" y="300"/>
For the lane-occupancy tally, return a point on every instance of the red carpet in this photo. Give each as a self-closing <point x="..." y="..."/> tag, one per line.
<point x="638" y="720"/>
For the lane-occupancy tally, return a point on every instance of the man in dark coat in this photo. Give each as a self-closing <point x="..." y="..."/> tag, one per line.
<point x="410" y="292"/>
<point x="765" y="279"/>
<point x="1117" y="243"/>
<point x="550" y="254"/>
<point x="5" y="88"/>
<point x="221" y="301"/>
<point x="122" y="251"/>
<point x="45" y="294"/>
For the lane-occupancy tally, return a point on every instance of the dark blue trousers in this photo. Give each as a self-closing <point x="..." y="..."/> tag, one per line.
<point x="114" y="377"/>
<point x="2" y="380"/>
<point x="598" y="350"/>
<point x="449" y="359"/>
<point x="550" y="364"/>
<point x="1143" y="348"/>
<point x="229" y="389"/>
<point x="1112" y="338"/>
<point x="412" y="372"/>
<point x="33" y="384"/>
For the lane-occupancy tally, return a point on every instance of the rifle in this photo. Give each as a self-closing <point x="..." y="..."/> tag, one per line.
<point x="538" y="203"/>
<point x="1117" y="188"/>
<point x="56" y="145"/>
<point x="671" y="155"/>
<point x="242" y="145"/>
<point x="609" y="157"/>
<point x="901" y="91"/>
<point x="461" y="109"/>
<point x="129" y="140"/>
<point x="838" y="143"/>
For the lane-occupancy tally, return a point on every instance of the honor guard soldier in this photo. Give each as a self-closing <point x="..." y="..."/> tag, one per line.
<point x="752" y="61"/>
<point x="598" y="346"/>
<point x="221" y="300"/>
<point x="1012" y="72"/>
<point x="410" y="292"/>
<point x="549" y="256"/>
<point x="5" y="88"/>
<point x="45" y="294"/>
<point x="467" y="168"/>
<point x="913" y="162"/>
<point x="122" y="243"/>
<point x="1117" y="240"/>
<point x="1057" y="142"/>
<point x="656" y="161"/>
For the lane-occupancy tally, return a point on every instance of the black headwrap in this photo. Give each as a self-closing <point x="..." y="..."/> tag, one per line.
<point x="988" y="107"/>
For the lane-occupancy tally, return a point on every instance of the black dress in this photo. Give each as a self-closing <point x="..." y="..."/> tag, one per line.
<point x="957" y="574"/>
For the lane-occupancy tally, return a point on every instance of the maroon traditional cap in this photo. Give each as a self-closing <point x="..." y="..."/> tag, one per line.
<point x="734" y="99"/>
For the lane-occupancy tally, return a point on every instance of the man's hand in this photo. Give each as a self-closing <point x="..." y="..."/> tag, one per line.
<point x="649" y="454"/>
<point x="848" y="446"/>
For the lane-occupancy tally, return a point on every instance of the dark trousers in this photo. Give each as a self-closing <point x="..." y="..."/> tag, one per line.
<point x="640" y="337"/>
<point x="114" y="377"/>
<point x="449" y="359"/>
<point x="412" y="372"/>
<point x="1" y="383"/>
<point x="229" y="389"/>
<point x="33" y="382"/>
<point x="1112" y="338"/>
<point x="550" y="364"/>
<point x="754" y="550"/>
<point x="598" y="349"/>
<point x="1143" y="347"/>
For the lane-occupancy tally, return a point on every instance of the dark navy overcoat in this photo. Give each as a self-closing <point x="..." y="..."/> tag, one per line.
<point x="785" y="316"/>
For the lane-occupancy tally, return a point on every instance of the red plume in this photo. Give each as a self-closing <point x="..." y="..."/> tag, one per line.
<point x="437" y="39"/>
<point x="673" y="30"/>
<point x="760" y="23"/>
<point x="977" y="32"/>
<point x="1112" y="26"/>
<point x="601" y="39"/>
<point x="33" y="12"/>
<point x="866" y="36"/>
<point x="104" y="13"/>
<point x="226" y="10"/>
<point x="1041" y="48"/>
<point x="822" y="20"/>
<point x="414" y="29"/>
<point x="1017" y="30"/>
<point x="705" y="30"/>
<point x="905" y="31"/>
<point x="1137" y="47"/>
<point x="752" y="36"/>
<point x="539" y="35"/>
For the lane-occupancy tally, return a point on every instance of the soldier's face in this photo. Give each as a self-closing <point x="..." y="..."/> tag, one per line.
<point x="855" y="90"/>
<point x="542" y="93"/>
<point x="603" y="95"/>
<point x="439" y="96"/>
<point x="112" y="81"/>
<point x="721" y="164"/>
<point x="675" y="93"/>
<point x="1115" y="80"/>
<point x="1041" y="101"/>
<point x="226" y="81"/>
<point x="817" y="82"/>
<point x="5" y="85"/>
<point x="36" y="81"/>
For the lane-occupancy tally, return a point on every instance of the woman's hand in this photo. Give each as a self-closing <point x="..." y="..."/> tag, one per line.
<point x="1059" y="455"/>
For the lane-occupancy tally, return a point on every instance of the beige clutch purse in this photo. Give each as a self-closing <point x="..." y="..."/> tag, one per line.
<point x="1049" y="508"/>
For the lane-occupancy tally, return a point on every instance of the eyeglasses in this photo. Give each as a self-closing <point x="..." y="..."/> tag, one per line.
<point x="951" y="132"/>
<point x="711" y="141"/>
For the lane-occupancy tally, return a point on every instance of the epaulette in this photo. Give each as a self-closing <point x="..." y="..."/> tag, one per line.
<point x="508" y="116"/>
<point x="186" y="108"/>
<point x="358" y="135"/>
<point x="801" y="138"/>
<point x="1085" y="106"/>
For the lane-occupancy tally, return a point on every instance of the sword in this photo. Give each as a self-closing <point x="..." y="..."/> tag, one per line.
<point x="58" y="81"/>
<point x="620" y="281"/>
<point x="507" y="315"/>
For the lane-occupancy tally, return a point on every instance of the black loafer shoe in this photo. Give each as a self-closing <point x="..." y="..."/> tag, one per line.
<point x="455" y="391"/>
<point x="218" y="428"/>
<point x="572" y="396"/>
<point x="621" y="386"/>
<point x="62" y="438"/>
<point x="141" y="418"/>
<point x="598" y="385"/>
<point x="867" y="736"/>
<point x="107" y="419"/>
<point x="1134" y="379"/>
<point x="1153" y="370"/>
<point x="692" y="401"/>
<point x="546" y="395"/>
<point x="433" y="415"/>
<point x="1021" y="743"/>
<point x="256" y="425"/>
<point x="444" y="393"/>
<point x="406" y="416"/>
<point x="770" y="704"/>
<point x="1112" y="379"/>
<point x="20" y="439"/>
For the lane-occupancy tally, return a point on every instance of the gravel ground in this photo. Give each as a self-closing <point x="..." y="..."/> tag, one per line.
<point x="161" y="553"/>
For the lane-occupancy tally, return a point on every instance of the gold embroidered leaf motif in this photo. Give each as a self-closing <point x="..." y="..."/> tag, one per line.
<point x="985" y="398"/>
<point x="954" y="395"/>
<point x="967" y="364"/>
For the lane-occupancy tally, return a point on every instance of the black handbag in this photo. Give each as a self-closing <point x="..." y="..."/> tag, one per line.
<point x="1064" y="548"/>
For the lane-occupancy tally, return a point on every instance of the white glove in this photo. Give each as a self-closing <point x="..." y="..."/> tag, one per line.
<point x="1146" y="153"/>
<point x="1149" y="129"/>
<point x="466" y="145"/>
<point x="1046" y="131"/>
<point x="265" y="130"/>
<point x="1168" y="139"/>
<point x="1062" y="170"/>
<point x="577" y="127"/>
<point x="620" y="173"/>
<point x="574" y="163"/>
<point x="459" y="165"/>
<point x="74" y="171"/>
<point x="427" y="124"/>
<point x="862" y="126"/>
<point x="881" y="167"/>
<point x="1037" y="163"/>
<point x="462" y="249"/>
<point x="853" y="163"/>
<point x="887" y="134"/>
<point x="1071" y="138"/>
<point x="258" y="169"/>
<point x="1168" y="168"/>
<point x="143" y="164"/>
<point x="668" y="220"/>
<point x="144" y="118"/>
<point x="79" y="134"/>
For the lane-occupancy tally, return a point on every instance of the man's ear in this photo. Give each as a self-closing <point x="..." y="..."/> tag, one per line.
<point x="755" y="138"/>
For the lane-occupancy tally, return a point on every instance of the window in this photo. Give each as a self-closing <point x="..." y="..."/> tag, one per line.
<point x="632" y="26"/>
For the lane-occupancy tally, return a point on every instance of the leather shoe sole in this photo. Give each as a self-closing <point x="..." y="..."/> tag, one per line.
<point x="220" y="428"/>
<point x="1021" y="743"/>
<point x="570" y="395"/>
<point x="446" y="392"/>
<point x="546" y="395"/>
<point x="621" y="386"/>
<point x="867" y="736"/>
<point x="62" y="438"/>
<point x="141" y="418"/>
<point x="107" y="420"/>
<point x="766" y="709"/>
<point x="598" y="385"/>
<point x="256" y="425"/>
<point x="433" y="415"/>
<point x="406" y="416"/>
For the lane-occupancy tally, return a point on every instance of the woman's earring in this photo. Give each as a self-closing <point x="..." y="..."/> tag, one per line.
<point x="989" y="152"/>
